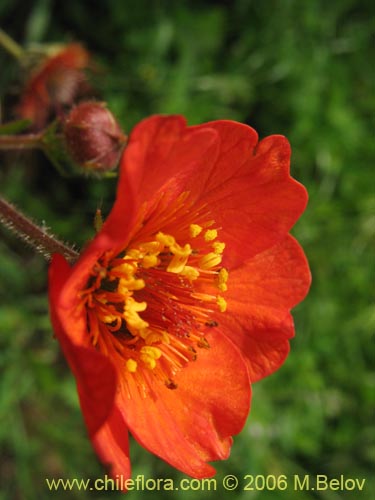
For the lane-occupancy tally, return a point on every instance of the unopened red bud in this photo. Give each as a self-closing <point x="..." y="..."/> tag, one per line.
<point x="56" y="77"/>
<point x="93" y="137"/>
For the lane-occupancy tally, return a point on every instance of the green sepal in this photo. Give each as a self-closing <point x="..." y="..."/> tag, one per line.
<point x="54" y="147"/>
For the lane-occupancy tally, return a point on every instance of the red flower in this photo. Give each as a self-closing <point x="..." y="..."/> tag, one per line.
<point x="55" y="82"/>
<point x="183" y="298"/>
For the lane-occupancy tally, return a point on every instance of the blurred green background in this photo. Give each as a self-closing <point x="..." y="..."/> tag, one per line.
<point x="304" y="69"/>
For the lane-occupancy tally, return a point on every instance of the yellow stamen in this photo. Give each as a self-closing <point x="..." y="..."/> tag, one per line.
<point x="165" y="239"/>
<point x="151" y="247"/>
<point x="134" y="322"/>
<point x="109" y="318"/>
<point x="209" y="260"/>
<point x="191" y="273"/>
<point x="133" y="253"/>
<point x="130" y="284"/>
<point x="210" y="235"/>
<point x="222" y="303"/>
<point x="149" y="261"/>
<point x="131" y="365"/>
<point x="194" y="230"/>
<point x="179" y="259"/>
<point x="218" y="247"/>
<point x="126" y="268"/>
<point x="152" y="337"/>
<point x="149" y="355"/>
<point x="221" y="280"/>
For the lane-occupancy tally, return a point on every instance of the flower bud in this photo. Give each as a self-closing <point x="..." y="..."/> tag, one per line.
<point x="55" y="76"/>
<point x="93" y="138"/>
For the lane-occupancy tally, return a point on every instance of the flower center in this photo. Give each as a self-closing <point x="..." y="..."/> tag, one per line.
<point x="149" y="307"/>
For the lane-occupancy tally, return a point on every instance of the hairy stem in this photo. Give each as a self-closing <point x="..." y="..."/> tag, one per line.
<point x="26" y="141"/>
<point x="35" y="236"/>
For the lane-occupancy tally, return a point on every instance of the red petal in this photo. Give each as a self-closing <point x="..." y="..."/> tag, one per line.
<point x="237" y="145"/>
<point x="95" y="375"/>
<point x="194" y="423"/>
<point x="259" y="297"/>
<point x="250" y="192"/>
<point x="160" y="149"/>
<point x="111" y="443"/>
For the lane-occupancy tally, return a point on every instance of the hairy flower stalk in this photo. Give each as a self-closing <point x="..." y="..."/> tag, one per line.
<point x="35" y="236"/>
<point x="17" y="142"/>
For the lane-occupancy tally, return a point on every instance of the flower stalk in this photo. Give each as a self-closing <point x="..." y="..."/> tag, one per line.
<point x="25" y="141"/>
<point x="35" y="236"/>
<point x="11" y="46"/>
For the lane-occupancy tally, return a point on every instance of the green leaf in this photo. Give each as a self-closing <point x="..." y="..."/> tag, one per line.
<point x="14" y="127"/>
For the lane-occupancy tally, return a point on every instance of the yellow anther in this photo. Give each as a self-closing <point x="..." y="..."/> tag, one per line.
<point x="149" y="355"/>
<point x="152" y="337"/>
<point x="153" y="352"/>
<point x="177" y="250"/>
<point x="165" y="239"/>
<point x="222" y="303"/>
<point x="209" y="260"/>
<point x="131" y="365"/>
<point x="180" y="257"/>
<point x="133" y="253"/>
<point x="122" y="289"/>
<point x="218" y="247"/>
<point x="133" y="305"/>
<point x="133" y="320"/>
<point x="137" y="284"/>
<point x="126" y="268"/>
<point x="150" y="261"/>
<point x="191" y="273"/>
<point x="221" y="280"/>
<point x="151" y="247"/>
<point x="130" y="284"/>
<point x="151" y="363"/>
<point x="194" y="230"/>
<point x="108" y="318"/>
<point x="210" y="235"/>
